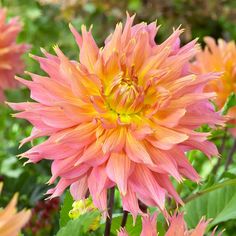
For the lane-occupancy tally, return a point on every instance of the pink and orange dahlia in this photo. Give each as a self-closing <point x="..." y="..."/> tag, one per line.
<point x="219" y="58"/>
<point x="10" y="52"/>
<point x="124" y="116"/>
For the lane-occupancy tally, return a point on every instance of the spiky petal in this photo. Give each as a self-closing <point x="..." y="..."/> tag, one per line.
<point x="179" y="227"/>
<point x="149" y="225"/>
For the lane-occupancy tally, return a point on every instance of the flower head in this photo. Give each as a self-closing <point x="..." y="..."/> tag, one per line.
<point x="219" y="58"/>
<point x="10" y="52"/>
<point x="12" y="221"/>
<point x="124" y="115"/>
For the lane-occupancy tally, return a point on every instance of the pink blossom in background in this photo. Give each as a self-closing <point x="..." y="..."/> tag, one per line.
<point x="219" y="57"/>
<point x="10" y="52"/>
<point x="177" y="227"/>
<point x="149" y="225"/>
<point x="124" y="116"/>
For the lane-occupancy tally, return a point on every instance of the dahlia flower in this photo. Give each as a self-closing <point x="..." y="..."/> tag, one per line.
<point x="12" y="221"/>
<point x="177" y="227"/>
<point x="124" y="116"/>
<point x="219" y="58"/>
<point x="10" y="52"/>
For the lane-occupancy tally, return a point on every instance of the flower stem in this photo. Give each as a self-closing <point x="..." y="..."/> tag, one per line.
<point x="221" y="150"/>
<point x="110" y="207"/>
<point x="230" y="156"/>
<point x="142" y="207"/>
<point x="124" y="219"/>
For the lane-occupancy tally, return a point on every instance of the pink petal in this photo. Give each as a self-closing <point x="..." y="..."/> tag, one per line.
<point x="136" y="151"/>
<point x="118" y="170"/>
<point x="79" y="188"/>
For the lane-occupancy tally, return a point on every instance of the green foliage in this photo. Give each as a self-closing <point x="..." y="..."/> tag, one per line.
<point x="217" y="202"/>
<point x="79" y="226"/>
<point x="230" y="102"/>
<point x="65" y="208"/>
<point x="130" y="228"/>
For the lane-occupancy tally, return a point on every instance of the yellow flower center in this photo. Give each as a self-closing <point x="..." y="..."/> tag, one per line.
<point x="126" y="96"/>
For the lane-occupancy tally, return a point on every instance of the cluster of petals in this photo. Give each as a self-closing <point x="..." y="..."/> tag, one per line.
<point x="177" y="227"/>
<point x="219" y="58"/>
<point x="124" y="116"/>
<point x="10" y="52"/>
<point x="11" y="221"/>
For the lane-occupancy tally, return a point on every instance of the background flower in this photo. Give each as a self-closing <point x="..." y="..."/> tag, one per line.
<point x="177" y="227"/>
<point x="219" y="58"/>
<point x="11" y="221"/>
<point x="149" y="227"/>
<point x="10" y="52"/>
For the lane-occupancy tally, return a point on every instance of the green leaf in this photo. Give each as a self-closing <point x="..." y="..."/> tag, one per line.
<point x="65" y="208"/>
<point x="217" y="202"/>
<point x="8" y="167"/>
<point x="230" y="102"/>
<point x="132" y="230"/>
<point x="79" y="226"/>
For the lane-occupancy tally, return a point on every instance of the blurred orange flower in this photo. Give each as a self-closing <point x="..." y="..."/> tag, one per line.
<point x="219" y="57"/>
<point x="11" y="221"/>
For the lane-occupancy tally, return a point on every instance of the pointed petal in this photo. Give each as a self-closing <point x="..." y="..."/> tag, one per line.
<point x="118" y="170"/>
<point x="79" y="188"/>
<point x="136" y="151"/>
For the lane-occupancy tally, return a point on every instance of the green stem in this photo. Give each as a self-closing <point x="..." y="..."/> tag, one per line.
<point x="124" y="219"/>
<point x="230" y="156"/>
<point x="221" y="150"/>
<point x="142" y="206"/>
